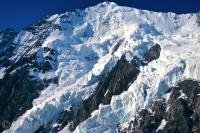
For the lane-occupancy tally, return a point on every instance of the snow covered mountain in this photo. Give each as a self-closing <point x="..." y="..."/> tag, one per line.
<point x="103" y="69"/>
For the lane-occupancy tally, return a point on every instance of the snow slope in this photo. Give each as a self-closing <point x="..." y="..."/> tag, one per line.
<point x="86" y="47"/>
<point x="2" y="72"/>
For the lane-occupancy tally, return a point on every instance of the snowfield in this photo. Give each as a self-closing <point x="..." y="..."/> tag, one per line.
<point x="89" y="45"/>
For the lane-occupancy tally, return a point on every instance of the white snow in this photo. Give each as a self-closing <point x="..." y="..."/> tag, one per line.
<point x="2" y="72"/>
<point x="53" y="17"/>
<point x="55" y="35"/>
<point x="85" y="52"/>
<point x="182" y="95"/>
<point x="162" y="125"/>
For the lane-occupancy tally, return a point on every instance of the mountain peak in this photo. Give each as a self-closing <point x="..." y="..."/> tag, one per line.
<point x="108" y="3"/>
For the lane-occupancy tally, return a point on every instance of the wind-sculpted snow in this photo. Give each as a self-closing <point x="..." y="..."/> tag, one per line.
<point x="75" y="50"/>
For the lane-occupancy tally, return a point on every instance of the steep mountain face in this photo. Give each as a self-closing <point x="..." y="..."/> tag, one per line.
<point x="105" y="69"/>
<point x="7" y="45"/>
<point x="18" y="87"/>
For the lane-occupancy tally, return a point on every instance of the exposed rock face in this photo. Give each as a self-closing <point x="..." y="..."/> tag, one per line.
<point x="180" y="114"/>
<point x="153" y="53"/>
<point x="18" y="88"/>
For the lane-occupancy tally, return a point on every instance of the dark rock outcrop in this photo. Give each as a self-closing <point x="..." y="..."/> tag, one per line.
<point x="181" y="112"/>
<point x="152" y="54"/>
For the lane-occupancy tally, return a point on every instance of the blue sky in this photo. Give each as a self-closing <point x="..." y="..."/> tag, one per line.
<point x="17" y="14"/>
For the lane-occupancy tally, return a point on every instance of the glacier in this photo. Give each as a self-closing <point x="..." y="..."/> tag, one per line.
<point x="89" y="44"/>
